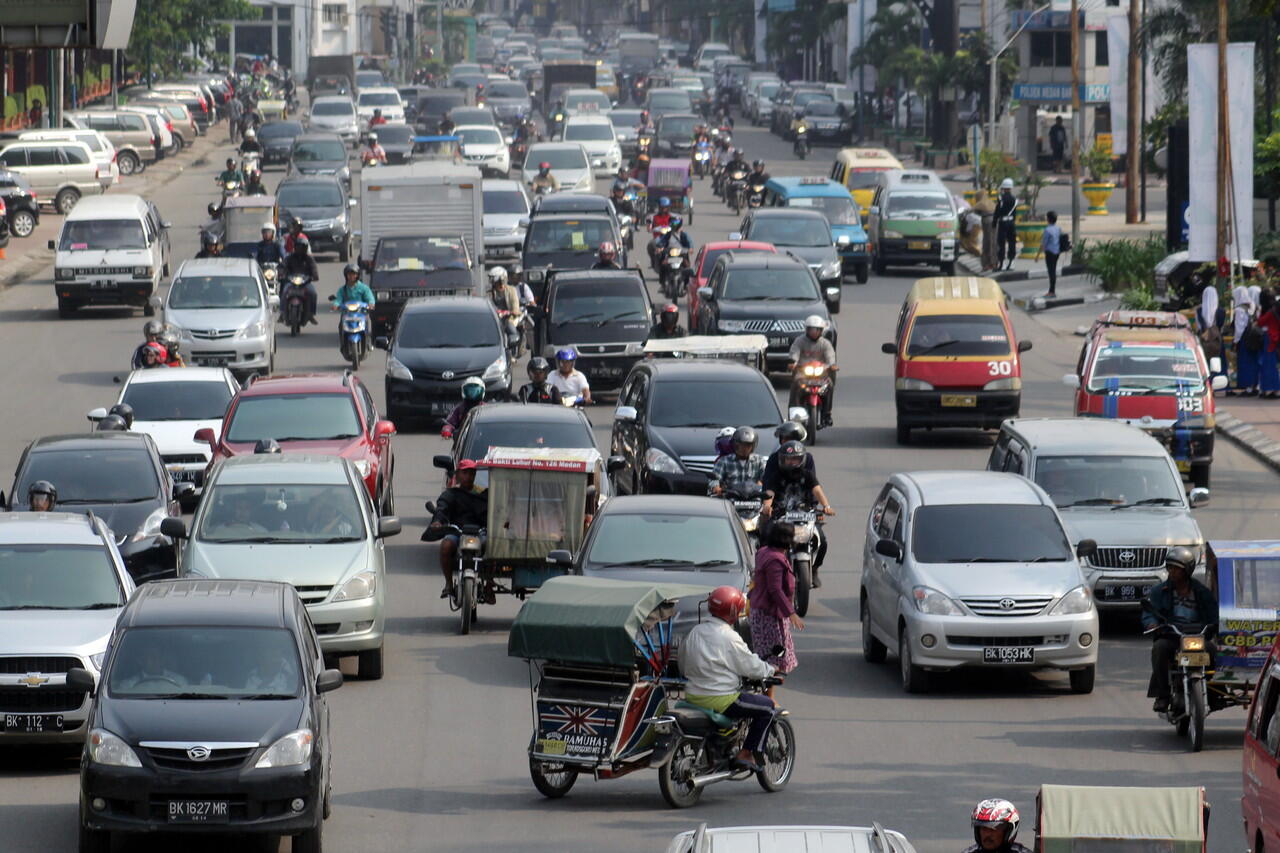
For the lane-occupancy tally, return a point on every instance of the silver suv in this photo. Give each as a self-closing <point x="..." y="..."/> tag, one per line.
<point x="62" y="584"/>
<point x="1112" y="483"/>
<point x="974" y="569"/>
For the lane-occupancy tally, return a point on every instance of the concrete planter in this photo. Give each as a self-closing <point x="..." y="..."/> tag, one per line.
<point x="1029" y="234"/>
<point x="1097" y="193"/>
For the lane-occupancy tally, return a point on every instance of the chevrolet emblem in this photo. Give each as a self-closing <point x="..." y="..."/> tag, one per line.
<point x="33" y="679"/>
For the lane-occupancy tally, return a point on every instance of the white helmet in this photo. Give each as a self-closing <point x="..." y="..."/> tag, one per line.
<point x="251" y="134"/>
<point x="1006" y="184"/>
<point x="815" y="321"/>
<point x="269" y="226"/>
<point x="498" y="275"/>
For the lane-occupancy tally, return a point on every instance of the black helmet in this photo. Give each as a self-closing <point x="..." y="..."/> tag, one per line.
<point x="152" y="329"/>
<point x="112" y="423"/>
<point x="208" y="238"/>
<point x="301" y="243"/>
<point x="538" y="363"/>
<point x="1181" y="555"/>
<point x="42" y="487"/>
<point x="745" y="435"/>
<point x="125" y="411"/>
<point x="757" y="164"/>
<point x="350" y="268"/>
<point x="266" y="445"/>
<point x="791" y="456"/>
<point x="790" y="431"/>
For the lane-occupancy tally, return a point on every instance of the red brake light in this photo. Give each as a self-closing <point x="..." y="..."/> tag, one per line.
<point x="168" y="124"/>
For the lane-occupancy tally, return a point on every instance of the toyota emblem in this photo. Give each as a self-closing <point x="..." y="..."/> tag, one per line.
<point x="1127" y="556"/>
<point x="448" y="374"/>
<point x="198" y="753"/>
<point x="1007" y="604"/>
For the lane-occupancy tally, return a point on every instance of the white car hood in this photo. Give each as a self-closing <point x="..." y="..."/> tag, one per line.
<point x="598" y="147"/>
<point x="212" y="318"/>
<point x="90" y="258"/>
<point x="56" y="632"/>
<point x="174" y="437"/>
<point x="482" y="149"/>
<point x="566" y="177"/>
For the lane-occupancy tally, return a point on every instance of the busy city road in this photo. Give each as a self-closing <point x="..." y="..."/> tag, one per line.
<point x="433" y="756"/>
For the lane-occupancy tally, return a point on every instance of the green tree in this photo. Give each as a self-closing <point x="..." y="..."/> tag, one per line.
<point x="1171" y="27"/>
<point x="173" y="32"/>
<point x="892" y="46"/>
<point x="804" y="25"/>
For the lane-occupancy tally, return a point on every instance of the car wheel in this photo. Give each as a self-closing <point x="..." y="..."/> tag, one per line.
<point x="94" y="840"/>
<point x="861" y="273"/>
<point x="904" y="433"/>
<point x="128" y="162"/>
<point x="914" y="679"/>
<point x="307" y="842"/>
<point x="369" y="666"/>
<point x="1200" y="475"/>
<point x="344" y="253"/>
<point x="148" y="310"/>
<point x="22" y="223"/>
<point x="66" y="200"/>
<point x="877" y="265"/>
<point x="1082" y="679"/>
<point x="949" y="268"/>
<point x="873" y="651"/>
<point x="65" y="308"/>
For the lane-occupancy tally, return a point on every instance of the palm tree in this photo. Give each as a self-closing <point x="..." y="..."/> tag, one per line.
<point x="1171" y="27"/>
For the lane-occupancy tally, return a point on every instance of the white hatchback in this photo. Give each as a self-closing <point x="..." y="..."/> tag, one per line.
<point x="569" y="164"/>
<point x="484" y="147"/>
<point x="385" y="98"/>
<point x="595" y="133"/>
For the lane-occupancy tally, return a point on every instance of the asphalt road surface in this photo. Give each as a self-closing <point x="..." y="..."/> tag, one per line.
<point x="433" y="756"/>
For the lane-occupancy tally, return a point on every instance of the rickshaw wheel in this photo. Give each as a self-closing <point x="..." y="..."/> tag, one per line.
<point x="467" y="604"/>
<point x="779" y="756"/>
<point x="552" y="784"/>
<point x="675" y="778"/>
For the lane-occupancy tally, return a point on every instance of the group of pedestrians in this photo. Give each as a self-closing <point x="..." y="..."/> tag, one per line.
<point x="1255" y="318"/>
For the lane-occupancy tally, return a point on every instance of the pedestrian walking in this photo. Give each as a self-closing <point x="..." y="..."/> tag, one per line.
<point x="986" y="208"/>
<point x="773" y="585"/>
<point x="1269" y="324"/>
<point x="1058" y="143"/>
<point x="234" y="113"/>
<point x="1051" y="247"/>
<point x="1247" y="338"/>
<point x="1006" y="230"/>
<point x="1210" y="318"/>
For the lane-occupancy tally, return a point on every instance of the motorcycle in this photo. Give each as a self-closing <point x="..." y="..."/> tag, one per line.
<point x="748" y="506"/>
<point x="230" y="189"/>
<point x="354" y="329"/>
<point x="812" y="385"/>
<point x="271" y="275"/>
<point x="702" y="158"/>
<point x="674" y="272"/>
<point x="804" y="551"/>
<point x="801" y="146"/>
<point x="1188" y="683"/>
<point x="295" y="304"/>
<point x="627" y="232"/>
<point x="578" y="402"/>
<point x="754" y="196"/>
<point x="466" y="574"/>
<point x="250" y="162"/>
<point x="733" y="193"/>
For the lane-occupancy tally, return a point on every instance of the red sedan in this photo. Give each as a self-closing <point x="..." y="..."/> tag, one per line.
<point x="706" y="261"/>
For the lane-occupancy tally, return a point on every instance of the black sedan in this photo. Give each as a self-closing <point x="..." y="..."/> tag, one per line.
<point x="517" y="425"/>
<point x="323" y="207"/>
<point x="277" y="141"/>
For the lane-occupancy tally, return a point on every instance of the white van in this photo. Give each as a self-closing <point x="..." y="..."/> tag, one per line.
<point x="112" y="250"/>
<point x="104" y="153"/>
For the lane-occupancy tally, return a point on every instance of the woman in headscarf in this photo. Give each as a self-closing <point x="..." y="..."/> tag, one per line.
<point x="1243" y="308"/>
<point x="1269" y="323"/>
<point x="1209" y="321"/>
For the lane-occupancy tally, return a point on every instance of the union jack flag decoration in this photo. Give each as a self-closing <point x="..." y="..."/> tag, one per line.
<point x="576" y="720"/>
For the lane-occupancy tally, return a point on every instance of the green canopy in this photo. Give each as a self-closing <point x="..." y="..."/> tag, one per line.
<point x="589" y="620"/>
<point x="1155" y="819"/>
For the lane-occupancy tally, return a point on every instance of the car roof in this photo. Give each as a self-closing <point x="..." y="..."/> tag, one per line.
<point x="195" y="602"/>
<point x="760" y="261"/>
<point x="98" y="206"/>
<point x="790" y="839"/>
<point x="177" y="374"/>
<point x="914" y="179"/>
<point x="703" y="369"/>
<point x="554" y="146"/>
<point x="217" y="266"/>
<point x="588" y="118"/>
<point x="937" y="307"/>
<point x="665" y="505"/>
<point x="1157" y="337"/>
<point x="269" y="469"/>
<point x="583" y="90"/>
<point x="307" y="179"/>
<point x="298" y="383"/>
<point x="787" y="213"/>
<point x="91" y="441"/>
<point x="755" y="245"/>
<point x="332" y="98"/>
<point x="365" y="90"/>
<point x="452" y="302"/>
<point x="1092" y="436"/>
<point x="508" y="412"/>
<point x="47" y="528"/>
<point x="501" y="185"/>
<point x="589" y="215"/>
<point x="955" y="287"/>
<point x="973" y="487"/>
<point x="572" y="201"/>
<point x="616" y="276"/>
<point x="801" y="187"/>
<point x="315" y="137"/>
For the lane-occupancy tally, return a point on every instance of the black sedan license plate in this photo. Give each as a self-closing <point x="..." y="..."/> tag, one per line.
<point x="32" y="723"/>
<point x="1008" y="654"/>
<point x="199" y="811"/>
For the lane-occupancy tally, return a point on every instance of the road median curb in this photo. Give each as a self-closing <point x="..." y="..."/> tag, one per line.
<point x="1250" y="439"/>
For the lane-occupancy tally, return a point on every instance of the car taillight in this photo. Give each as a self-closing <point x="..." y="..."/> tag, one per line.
<point x="153" y="140"/>
<point x="169" y="125"/>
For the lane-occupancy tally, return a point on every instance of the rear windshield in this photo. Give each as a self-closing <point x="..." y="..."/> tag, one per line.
<point x="440" y="103"/>
<point x="712" y="403"/>
<point x="839" y="210"/>
<point x="380" y="99"/>
<point x="447" y="330"/>
<point x="559" y="434"/>
<point x="479" y="136"/>
<point x="806" y="99"/>
<point x="177" y="401"/>
<point x="57" y="577"/>
<point x="581" y="99"/>
<point x="669" y="100"/>
<point x="333" y="108"/>
<point x="309" y="195"/>
<point x="205" y="663"/>
<point x="681" y="126"/>
<point x="420" y="253"/>
<point x="279" y="130"/>
<point x="791" y="231"/>
<point x="213" y="291"/>
<point x="506" y="90"/>
<point x="958" y="334"/>
<point x="323" y="150"/>
<point x="559" y="158"/>
<point x="770" y="285"/>
<point x="294" y="417"/>
<point x="597" y="303"/>
<point x="626" y="119"/>
<point x="1115" y="481"/>
<point x="983" y="533"/>
<point x="568" y="235"/>
<point x="919" y="205"/>
<point x="505" y="201"/>
<point x="102" y="234"/>
<point x="396" y="134"/>
<point x="99" y="475"/>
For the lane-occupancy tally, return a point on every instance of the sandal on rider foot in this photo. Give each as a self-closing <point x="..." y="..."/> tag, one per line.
<point x="744" y="764"/>
<point x="447" y="592"/>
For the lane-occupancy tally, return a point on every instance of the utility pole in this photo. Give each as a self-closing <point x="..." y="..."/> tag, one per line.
<point x="862" y="70"/>
<point x="1077" y="122"/>
<point x="1134" y="107"/>
<point x="1269" y="103"/>
<point x="1224" y="140"/>
<point x="1142" y="117"/>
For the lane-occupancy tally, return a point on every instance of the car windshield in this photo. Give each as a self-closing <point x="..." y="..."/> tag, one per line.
<point x="770" y="284"/>
<point x="625" y="119"/>
<point x="472" y="115"/>
<point x="279" y="129"/>
<point x="1150" y="370"/>
<point x="485" y="434"/>
<point x="193" y="292"/>
<point x="395" y="134"/>
<point x="808" y="99"/>
<point x="800" y="231"/>
<point x="680" y="127"/>
<point x="986" y="533"/>
<point x="379" y="99"/>
<point x="821" y="108"/>
<point x="862" y="179"/>
<point x="597" y="304"/>
<point x="669" y="101"/>
<point x="506" y="90"/>
<point x="333" y="108"/>
<point x="309" y="195"/>
<point x="713" y="403"/>
<point x="58" y="577"/>
<point x="839" y="210"/>
<point x="580" y="100"/>
<point x="677" y="541"/>
<point x="365" y="79"/>
<point x="447" y="330"/>
<point x="177" y="401"/>
<point x="439" y="104"/>
<point x="559" y="158"/>
<point x="205" y="662"/>
<point x="588" y="133"/>
<point x="281" y="513"/>
<point x="1115" y="481"/>
<point x="294" y="417"/>
<point x="479" y="135"/>
<point x="505" y="201"/>
<point x="102" y="234"/>
<point x="314" y="152"/>
<point x="766" y="91"/>
<point x="568" y="235"/>
<point x="420" y="253"/>
<point x="94" y="476"/>
<point x="919" y="205"/>
<point x="958" y="334"/>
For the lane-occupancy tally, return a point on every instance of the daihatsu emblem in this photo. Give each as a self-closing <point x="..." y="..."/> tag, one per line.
<point x="198" y="753"/>
<point x="448" y="374"/>
<point x="1007" y="604"/>
<point x="1127" y="556"/>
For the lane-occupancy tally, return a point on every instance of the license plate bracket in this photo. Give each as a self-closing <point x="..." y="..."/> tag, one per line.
<point x="1008" y="654"/>
<point x="33" y="723"/>
<point x="959" y="400"/>
<point x="1125" y="592"/>
<point x="199" y="811"/>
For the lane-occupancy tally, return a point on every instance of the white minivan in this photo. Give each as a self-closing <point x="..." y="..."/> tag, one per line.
<point x="112" y="250"/>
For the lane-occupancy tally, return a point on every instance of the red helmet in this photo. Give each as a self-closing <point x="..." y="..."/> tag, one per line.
<point x="670" y="308"/>
<point x="158" y="350"/>
<point x="608" y="251"/>
<point x="544" y="166"/>
<point x="996" y="814"/>
<point x="726" y="603"/>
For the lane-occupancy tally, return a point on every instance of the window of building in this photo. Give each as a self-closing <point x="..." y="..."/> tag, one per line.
<point x="1051" y="49"/>
<point x="333" y="13"/>
<point x="1100" y="53"/>
<point x="284" y="13"/>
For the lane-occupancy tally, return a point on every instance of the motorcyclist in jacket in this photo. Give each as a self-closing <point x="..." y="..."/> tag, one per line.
<point x="352" y="290"/>
<point x="668" y="325"/>
<point x="231" y="173"/>
<point x="269" y="249"/>
<point x="788" y="431"/>
<point x="250" y="143"/>
<point x="677" y="236"/>
<point x="645" y="125"/>
<point x="373" y="150"/>
<point x="462" y="504"/>
<point x="377" y="119"/>
<point x="151" y="332"/>
<point x="300" y="262"/>
<point x="473" y="391"/>
<point x="253" y="183"/>
<point x="618" y="195"/>
<point x="1182" y="601"/>
<point x="794" y="484"/>
<point x="810" y="347"/>
<point x="607" y="257"/>
<point x="544" y="179"/>
<point x="210" y="245"/>
<point x="995" y="826"/>
<point x="624" y="181"/>
<point x="758" y="174"/>
<point x="537" y="389"/>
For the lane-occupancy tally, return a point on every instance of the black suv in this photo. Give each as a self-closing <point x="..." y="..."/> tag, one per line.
<point x="563" y="241"/>
<point x="756" y="293"/>
<point x="120" y="478"/>
<point x="604" y="315"/>
<point x="805" y="235"/>
<point x="673" y="134"/>
<point x="22" y="210"/>
<point x="669" y="414"/>
<point x="277" y="141"/>
<point x="438" y="343"/>
<point x="161" y="756"/>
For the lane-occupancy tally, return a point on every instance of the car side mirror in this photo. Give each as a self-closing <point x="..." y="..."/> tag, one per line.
<point x="1199" y="497"/>
<point x="443" y="461"/>
<point x="174" y="528"/>
<point x="388" y="525"/>
<point x="79" y="678"/>
<point x="889" y="548"/>
<point x="205" y="436"/>
<point x="382" y="342"/>
<point x="1215" y="365"/>
<point x="704" y="293"/>
<point x="874" y="209"/>
<point x="613" y="463"/>
<point x="524" y="222"/>
<point x="384" y="429"/>
<point x="560" y="558"/>
<point x="1218" y="382"/>
<point x="1023" y="346"/>
<point x="96" y="415"/>
<point x="183" y="490"/>
<point x="626" y="414"/>
<point x="330" y="679"/>
<point x="1086" y="548"/>
<point x="1071" y="380"/>
<point x="842" y="240"/>
<point x="889" y="349"/>
<point x="735" y="235"/>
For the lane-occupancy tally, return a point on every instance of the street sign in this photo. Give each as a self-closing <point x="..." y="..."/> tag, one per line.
<point x="1060" y="93"/>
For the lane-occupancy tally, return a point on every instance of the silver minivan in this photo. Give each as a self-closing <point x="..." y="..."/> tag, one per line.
<point x="59" y="170"/>
<point x="974" y="569"/>
<point x="1114" y="484"/>
<point x="334" y="114"/>
<point x="224" y="314"/>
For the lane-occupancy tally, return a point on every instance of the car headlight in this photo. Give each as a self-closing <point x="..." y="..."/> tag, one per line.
<point x="362" y="466"/>
<point x="63" y="274"/>
<point x="1009" y="383"/>
<point x="891" y="235"/>
<point x="635" y="348"/>
<point x="656" y="460"/>
<point x="360" y="585"/>
<point x="107" y="749"/>
<point x="906" y="383"/>
<point x="929" y="600"/>
<point x="142" y="272"/>
<point x="947" y="235"/>
<point x="496" y="370"/>
<point x="731" y="325"/>
<point x="150" y="527"/>
<point x="290" y="751"/>
<point x="253" y="330"/>
<point x="396" y="370"/>
<point x="1079" y="600"/>
<point x="830" y="269"/>
<point x="97" y="660"/>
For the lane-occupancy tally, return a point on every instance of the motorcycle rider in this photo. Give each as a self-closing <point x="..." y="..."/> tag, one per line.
<point x="645" y="125"/>
<point x="714" y="659"/>
<point x="742" y="472"/>
<point x="461" y="504"/>
<point x="995" y="826"/>
<point x="788" y="431"/>
<point x="170" y="341"/>
<point x="624" y="181"/>
<point x="352" y="290"/>
<point x="674" y="237"/>
<point x="153" y="355"/>
<point x="606" y="257"/>
<point x="300" y="262"/>
<point x="473" y="391"/>
<point x="544" y="179"/>
<point x="295" y="231"/>
<point x="377" y="119"/>
<point x="269" y="250"/>
<point x="505" y="298"/>
<point x="232" y="172"/>
<point x="250" y="143"/>
<point x="809" y="347"/>
<point x="1182" y="601"/>
<point x="210" y="245"/>
<point x="253" y="183"/>
<point x="124" y="411"/>
<point x="567" y="379"/>
<point x="536" y="390"/>
<point x="668" y="325"/>
<point x="758" y="175"/>
<point x="373" y="150"/>
<point x="795" y="484"/>
<point x="151" y="331"/>
<point x="112" y="423"/>
<point x="42" y="496"/>
<point x="662" y="218"/>
<point x="618" y="195"/>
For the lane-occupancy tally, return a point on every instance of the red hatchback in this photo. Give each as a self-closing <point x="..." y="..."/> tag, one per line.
<point x="326" y="413"/>
<point x="705" y="262"/>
